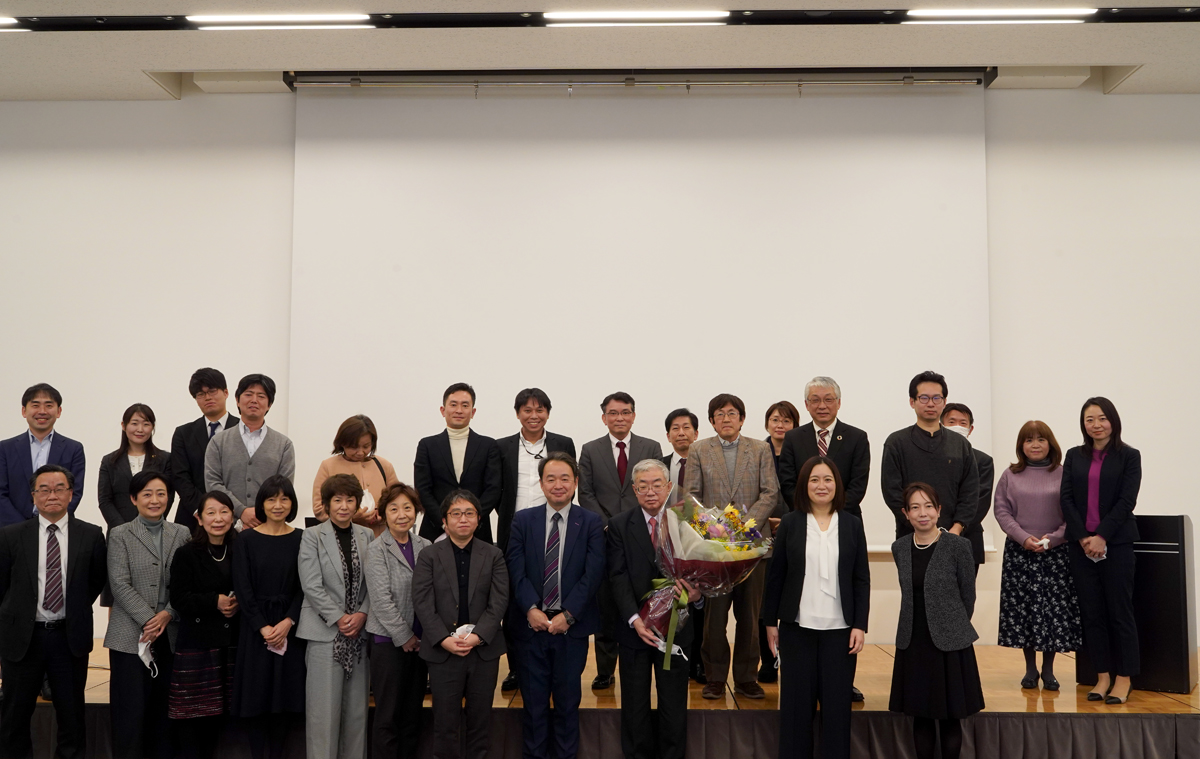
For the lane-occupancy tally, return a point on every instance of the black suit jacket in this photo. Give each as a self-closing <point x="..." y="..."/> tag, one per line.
<point x="987" y="479"/>
<point x="87" y="572"/>
<point x="433" y="476"/>
<point x="632" y="570"/>
<point x="510" y="449"/>
<point x="1120" y="480"/>
<point x="188" y="445"/>
<point x="113" y="485"/>
<point x="850" y="451"/>
<point x="785" y="581"/>
<point x="196" y="581"/>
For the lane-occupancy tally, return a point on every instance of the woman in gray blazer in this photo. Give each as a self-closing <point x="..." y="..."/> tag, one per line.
<point x="398" y="673"/>
<point x="935" y="678"/>
<point x="142" y="624"/>
<point x="332" y="618"/>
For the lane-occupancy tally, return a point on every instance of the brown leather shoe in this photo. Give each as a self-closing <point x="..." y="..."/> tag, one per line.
<point x="714" y="690"/>
<point x="749" y="690"/>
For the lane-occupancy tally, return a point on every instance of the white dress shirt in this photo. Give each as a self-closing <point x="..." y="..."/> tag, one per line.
<point x="43" y="533"/>
<point x="252" y="439"/>
<point x="820" y="598"/>
<point x="529" y="490"/>
<point x="829" y="437"/>
<point x="220" y="425"/>
<point x="612" y="441"/>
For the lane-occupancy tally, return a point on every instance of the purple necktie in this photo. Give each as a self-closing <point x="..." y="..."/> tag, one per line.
<point x="550" y="576"/>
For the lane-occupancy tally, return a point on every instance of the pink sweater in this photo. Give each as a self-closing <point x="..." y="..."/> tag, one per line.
<point x="1027" y="504"/>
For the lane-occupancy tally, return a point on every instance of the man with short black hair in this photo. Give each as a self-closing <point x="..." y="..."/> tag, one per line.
<point x="957" y="417"/>
<point x="606" y="488"/>
<point x="41" y="444"/>
<point x="190" y="441"/>
<point x="239" y="459"/>
<point x="457" y="458"/>
<point x="925" y="452"/>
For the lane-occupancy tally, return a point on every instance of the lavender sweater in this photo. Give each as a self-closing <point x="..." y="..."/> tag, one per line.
<point x="1027" y="504"/>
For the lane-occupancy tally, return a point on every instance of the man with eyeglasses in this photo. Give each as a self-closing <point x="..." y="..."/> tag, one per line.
<point x="211" y="393"/>
<point x="606" y="488"/>
<point x="927" y="452"/>
<point x="47" y="613"/>
<point x="731" y="468"/>
<point x="632" y="537"/>
<point x="41" y="444"/>
<point x="460" y="594"/>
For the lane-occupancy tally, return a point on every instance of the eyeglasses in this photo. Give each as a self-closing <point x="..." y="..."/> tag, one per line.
<point x="456" y="515"/>
<point x="657" y="487"/>
<point x="815" y="401"/>
<point x="931" y="398"/>
<point x="208" y="393"/>
<point x="624" y="413"/>
<point x="735" y="414"/>
<point x="58" y="490"/>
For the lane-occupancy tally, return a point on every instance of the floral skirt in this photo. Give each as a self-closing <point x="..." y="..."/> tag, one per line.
<point x="1039" y="608"/>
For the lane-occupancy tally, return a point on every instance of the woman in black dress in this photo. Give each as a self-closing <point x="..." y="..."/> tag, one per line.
<point x="202" y="592"/>
<point x="268" y="689"/>
<point x="935" y="678"/>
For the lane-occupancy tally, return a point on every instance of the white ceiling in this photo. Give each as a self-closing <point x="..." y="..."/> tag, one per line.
<point x="113" y="65"/>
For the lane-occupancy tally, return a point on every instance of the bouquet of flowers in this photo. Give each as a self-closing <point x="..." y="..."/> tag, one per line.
<point x="711" y="549"/>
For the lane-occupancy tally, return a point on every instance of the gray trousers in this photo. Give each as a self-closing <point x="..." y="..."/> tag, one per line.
<point x="335" y="716"/>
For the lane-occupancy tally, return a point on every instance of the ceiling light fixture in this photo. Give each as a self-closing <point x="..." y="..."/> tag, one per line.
<point x="640" y="23"/>
<point x="633" y="15"/>
<point x="16" y="30"/>
<point x="1003" y="21"/>
<point x="992" y="12"/>
<point x="272" y="27"/>
<point x="278" y="18"/>
<point x="6" y="20"/>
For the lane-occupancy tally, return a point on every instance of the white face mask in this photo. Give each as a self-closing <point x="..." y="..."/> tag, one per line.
<point x="964" y="431"/>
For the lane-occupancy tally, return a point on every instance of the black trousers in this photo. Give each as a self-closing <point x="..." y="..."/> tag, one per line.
<point x="551" y="665"/>
<point x="140" y="728"/>
<point x="815" y="666"/>
<point x="639" y="738"/>
<point x="606" y="643"/>
<point x="48" y="657"/>
<point x="1105" y="590"/>
<point x="458" y="677"/>
<point x="398" y="682"/>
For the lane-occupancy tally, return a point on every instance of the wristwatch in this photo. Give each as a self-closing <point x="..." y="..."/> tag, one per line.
<point x="569" y="617"/>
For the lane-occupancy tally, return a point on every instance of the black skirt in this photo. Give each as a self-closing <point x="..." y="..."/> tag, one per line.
<point x="1039" y="608"/>
<point x="202" y="683"/>
<point x="928" y="682"/>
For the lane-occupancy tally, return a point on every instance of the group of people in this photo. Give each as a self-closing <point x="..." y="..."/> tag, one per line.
<point x="229" y="612"/>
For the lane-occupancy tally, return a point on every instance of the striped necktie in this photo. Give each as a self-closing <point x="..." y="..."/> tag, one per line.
<point x="550" y="576"/>
<point x="823" y="442"/>
<point x="53" y="599"/>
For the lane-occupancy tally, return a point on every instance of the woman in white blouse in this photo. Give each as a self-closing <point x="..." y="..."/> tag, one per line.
<point x="815" y="608"/>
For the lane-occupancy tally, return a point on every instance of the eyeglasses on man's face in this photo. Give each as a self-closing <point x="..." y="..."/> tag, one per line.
<point x="57" y="490"/>
<point x="658" y="487"/>
<point x="460" y="514"/>
<point x="931" y="398"/>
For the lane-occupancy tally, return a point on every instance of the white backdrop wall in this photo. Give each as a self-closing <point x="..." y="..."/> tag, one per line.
<point x="142" y="240"/>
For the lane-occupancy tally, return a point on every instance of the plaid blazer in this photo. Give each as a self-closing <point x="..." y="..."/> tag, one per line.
<point x="134" y="574"/>
<point x="754" y="488"/>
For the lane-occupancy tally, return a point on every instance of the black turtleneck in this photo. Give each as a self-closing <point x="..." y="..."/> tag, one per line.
<point x="344" y="535"/>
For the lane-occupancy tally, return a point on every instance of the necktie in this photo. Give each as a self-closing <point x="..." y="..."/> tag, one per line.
<point x="654" y="533"/>
<point x="212" y="429"/>
<point x="823" y="442"/>
<point x="550" y="576"/>
<point x="622" y="463"/>
<point x="682" y="465"/>
<point x="53" y="600"/>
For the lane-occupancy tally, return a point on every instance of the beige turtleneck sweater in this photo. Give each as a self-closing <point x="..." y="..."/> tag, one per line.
<point x="458" y="448"/>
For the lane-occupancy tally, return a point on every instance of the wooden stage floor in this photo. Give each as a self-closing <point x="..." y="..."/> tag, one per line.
<point x="1001" y="669"/>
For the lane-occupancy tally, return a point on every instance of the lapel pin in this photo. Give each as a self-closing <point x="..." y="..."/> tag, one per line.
<point x="839" y="437"/>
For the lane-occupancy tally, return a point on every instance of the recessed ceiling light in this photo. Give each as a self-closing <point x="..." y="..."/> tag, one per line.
<point x="641" y="23"/>
<point x="7" y="20"/>
<point x="271" y="27"/>
<point x="1003" y="21"/>
<point x="632" y="15"/>
<point x="968" y="12"/>
<point x="277" y="18"/>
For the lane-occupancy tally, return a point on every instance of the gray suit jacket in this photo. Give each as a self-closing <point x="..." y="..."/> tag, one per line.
<point x="320" y="568"/>
<point x="754" y="486"/>
<point x="389" y="584"/>
<point x="227" y="467"/>
<point x="949" y="592"/>
<point x="600" y="490"/>
<point x="435" y="598"/>
<point x="134" y="576"/>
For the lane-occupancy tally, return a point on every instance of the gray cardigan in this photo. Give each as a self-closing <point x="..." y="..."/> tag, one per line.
<point x="389" y="585"/>
<point x="320" y="566"/>
<point x="949" y="592"/>
<point x="227" y="467"/>
<point x="134" y="574"/>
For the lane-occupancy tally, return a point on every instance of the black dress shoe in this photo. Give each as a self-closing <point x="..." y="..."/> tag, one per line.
<point x="697" y="674"/>
<point x="1094" y="696"/>
<point x="1050" y="684"/>
<point x="856" y="695"/>
<point x="46" y="695"/>
<point x="602" y="683"/>
<point x="1029" y="681"/>
<point x="510" y="682"/>
<point x="1112" y="700"/>
<point x="768" y="675"/>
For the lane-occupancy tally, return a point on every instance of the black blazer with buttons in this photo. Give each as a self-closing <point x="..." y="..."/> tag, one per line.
<point x="632" y="569"/>
<point x="785" y="580"/>
<point x="188" y="445"/>
<point x="849" y="450"/>
<point x="1120" y="481"/>
<point x="196" y="581"/>
<point x="433" y="477"/>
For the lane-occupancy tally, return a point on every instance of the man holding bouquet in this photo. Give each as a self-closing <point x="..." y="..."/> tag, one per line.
<point x="722" y="470"/>
<point x="632" y="537"/>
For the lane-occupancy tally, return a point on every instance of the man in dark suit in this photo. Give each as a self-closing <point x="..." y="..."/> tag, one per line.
<point x="556" y="562"/>
<point x="847" y="446"/>
<point x="52" y="568"/>
<point x="461" y="582"/>
<point x="605" y="488"/>
<point x="210" y="391"/>
<point x="520" y="456"/>
<point x="683" y="429"/>
<point x="632" y="570"/>
<point x="20" y="456"/>
<point x="957" y="417"/>
<point x="457" y="458"/>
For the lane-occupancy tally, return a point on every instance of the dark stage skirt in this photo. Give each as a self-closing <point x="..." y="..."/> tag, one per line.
<point x="202" y="683"/>
<point x="1039" y="608"/>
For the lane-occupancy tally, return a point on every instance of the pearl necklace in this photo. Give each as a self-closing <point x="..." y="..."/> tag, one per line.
<point x="223" y="554"/>
<point x="920" y="547"/>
